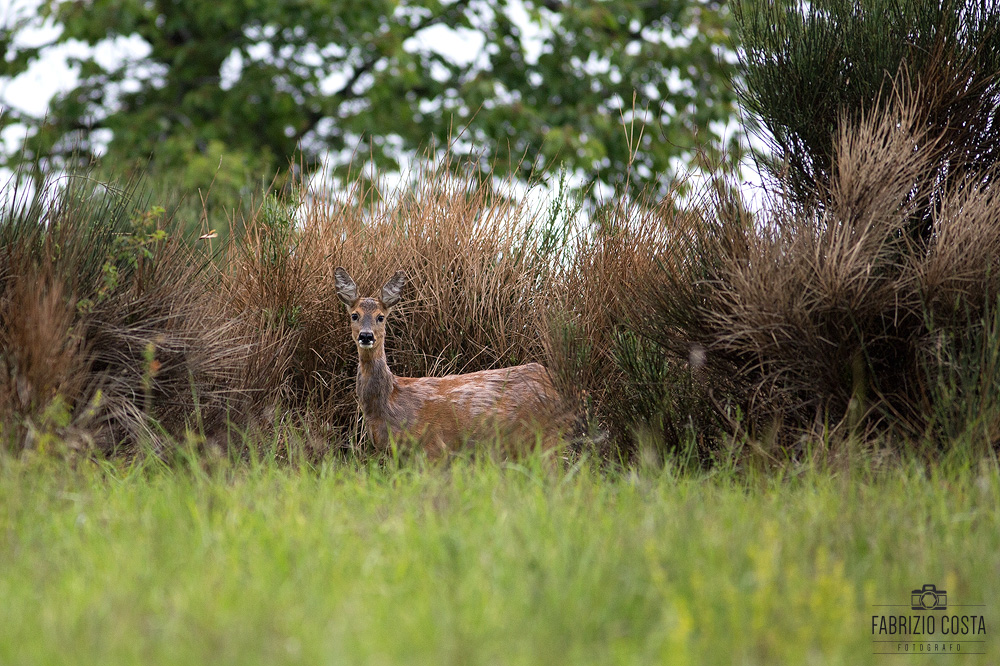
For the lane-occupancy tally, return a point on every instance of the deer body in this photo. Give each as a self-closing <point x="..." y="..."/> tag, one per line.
<point x="440" y="413"/>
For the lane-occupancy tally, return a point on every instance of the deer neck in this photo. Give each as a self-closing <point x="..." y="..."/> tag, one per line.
<point x="375" y="382"/>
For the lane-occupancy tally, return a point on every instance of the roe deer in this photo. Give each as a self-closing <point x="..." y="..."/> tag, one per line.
<point x="440" y="412"/>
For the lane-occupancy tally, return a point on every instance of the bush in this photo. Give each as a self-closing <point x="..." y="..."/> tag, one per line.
<point x="492" y="283"/>
<point x="148" y="339"/>
<point x="829" y="316"/>
<point x="858" y="303"/>
<point x="630" y="389"/>
<point x="110" y="335"/>
<point x="809" y="68"/>
<point x="675" y="328"/>
<point x="481" y="273"/>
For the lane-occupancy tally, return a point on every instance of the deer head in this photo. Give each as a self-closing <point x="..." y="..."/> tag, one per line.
<point x="368" y="314"/>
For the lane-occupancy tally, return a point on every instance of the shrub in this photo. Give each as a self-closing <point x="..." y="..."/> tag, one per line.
<point x="147" y="339"/>
<point x="858" y="301"/>
<point x="809" y="67"/>
<point x="827" y="316"/>
<point x="108" y="329"/>
<point x="603" y="345"/>
<point x="481" y="272"/>
<point x="492" y="283"/>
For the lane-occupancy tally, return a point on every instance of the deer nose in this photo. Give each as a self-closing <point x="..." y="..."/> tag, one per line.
<point x="366" y="338"/>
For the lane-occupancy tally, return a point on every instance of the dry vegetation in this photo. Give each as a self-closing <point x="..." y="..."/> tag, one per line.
<point x="848" y="313"/>
<point x="108" y="336"/>
<point x="479" y="286"/>
<point x="698" y="328"/>
<point x="148" y="340"/>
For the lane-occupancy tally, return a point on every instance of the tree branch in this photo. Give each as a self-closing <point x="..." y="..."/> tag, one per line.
<point x="347" y="92"/>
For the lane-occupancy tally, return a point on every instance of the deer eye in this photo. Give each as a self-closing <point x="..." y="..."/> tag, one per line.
<point x="380" y="318"/>
<point x="354" y="316"/>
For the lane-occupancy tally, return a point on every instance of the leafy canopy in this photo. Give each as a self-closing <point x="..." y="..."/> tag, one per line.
<point x="543" y="83"/>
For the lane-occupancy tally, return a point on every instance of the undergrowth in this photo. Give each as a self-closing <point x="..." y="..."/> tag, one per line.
<point x="695" y="328"/>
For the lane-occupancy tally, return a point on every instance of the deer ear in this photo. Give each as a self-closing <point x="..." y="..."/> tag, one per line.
<point x="393" y="288"/>
<point x="347" y="291"/>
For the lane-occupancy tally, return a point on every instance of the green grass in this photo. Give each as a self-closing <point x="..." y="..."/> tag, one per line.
<point x="478" y="563"/>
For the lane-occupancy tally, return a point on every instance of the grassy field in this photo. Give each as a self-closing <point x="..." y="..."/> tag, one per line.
<point x="849" y="316"/>
<point x="480" y="562"/>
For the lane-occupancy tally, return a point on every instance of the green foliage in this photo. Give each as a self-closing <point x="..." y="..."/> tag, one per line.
<point x="248" y="85"/>
<point x="256" y="562"/>
<point x="279" y="236"/>
<point x="665" y="407"/>
<point x="92" y="235"/>
<point x="132" y="250"/>
<point x="809" y="67"/>
<point x="962" y="367"/>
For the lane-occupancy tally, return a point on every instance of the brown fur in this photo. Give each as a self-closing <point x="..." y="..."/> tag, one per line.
<point x="441" y="413"/>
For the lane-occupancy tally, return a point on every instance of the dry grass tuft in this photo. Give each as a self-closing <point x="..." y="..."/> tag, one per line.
<point x="111" y="337"/>
<point x="825" y="314"/>
<point x="481" y="272"/>
<point x="42" y="356"/>
<point x="871" y="308"/>
<point x="595" y="308"/>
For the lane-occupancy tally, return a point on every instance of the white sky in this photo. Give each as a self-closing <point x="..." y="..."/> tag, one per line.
<point x="31" y="91"/>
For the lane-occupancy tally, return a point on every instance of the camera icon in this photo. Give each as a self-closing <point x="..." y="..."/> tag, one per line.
<point x="928" y="598"/>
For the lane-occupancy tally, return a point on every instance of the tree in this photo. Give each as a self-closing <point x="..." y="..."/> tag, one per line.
<point x="809" y="66"/>
<point x="259" y="81"/>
